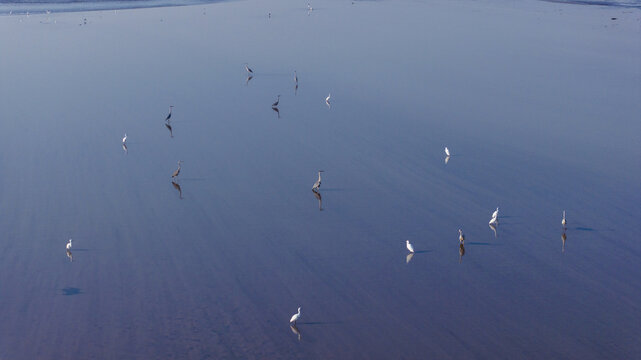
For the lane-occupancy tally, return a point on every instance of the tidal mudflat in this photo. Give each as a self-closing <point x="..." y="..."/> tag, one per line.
<point x="537" y="101"/>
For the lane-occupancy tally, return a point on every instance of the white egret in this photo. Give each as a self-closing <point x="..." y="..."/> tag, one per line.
<point x="295" y="317"/>
<point x="275" y="104"/>
<point x="409" y="246"/>
<point x="461" y="237"/>
<point x="69" y="245"/>
<point x="563" y="222"/>
<point x="177" y="172"/>
<point x="250" y="71"/>
<point x="329" y="96"/>
<point x="447" y="152"/>
<point x="495" y="214"/>
<point x="124" y="139"/>
<point x="169" y="115"/>
<point x="317" y="184"/>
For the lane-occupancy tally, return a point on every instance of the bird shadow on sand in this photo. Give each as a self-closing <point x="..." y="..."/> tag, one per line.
<point x="69" y="291"/>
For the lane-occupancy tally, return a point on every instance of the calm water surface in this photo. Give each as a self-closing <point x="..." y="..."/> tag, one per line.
<point x="538" y="102"/>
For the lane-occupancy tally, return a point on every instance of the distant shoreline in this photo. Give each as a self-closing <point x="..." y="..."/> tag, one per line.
<point x="17" y="7"/>
<point x="22" y="8"/>
<point x="625" y="4"/>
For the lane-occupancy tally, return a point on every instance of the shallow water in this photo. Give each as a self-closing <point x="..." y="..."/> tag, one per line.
<point x="539" y="103"/>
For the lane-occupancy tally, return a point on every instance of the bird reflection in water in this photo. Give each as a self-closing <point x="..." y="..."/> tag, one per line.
<point x="318" y="197"/>
<point x="70" y="255"/>
<point x="447" y="159"/>
<point x="493" y="227"/>
<point x="249" y="78"/>
<point x="277" y="111"/>
<point x="461" y="252"/>
<point x="409" y="257"/>
<point x="295" y="330"/>
<point x="563" y="238"/>
<point x="177" y="187"/>
<point x="124" y="147"/>
<point x="168" y="126"/>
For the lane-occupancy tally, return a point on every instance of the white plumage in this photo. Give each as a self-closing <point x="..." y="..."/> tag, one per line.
<point x="69" y="244"/>
<point x="409" y="246"/>
<point x="124" y="139"/>
<point x="295" y="317"/>
<point x="447" y="151"/>
<point x="329" y="96"/>
<point x="563" y="222"/>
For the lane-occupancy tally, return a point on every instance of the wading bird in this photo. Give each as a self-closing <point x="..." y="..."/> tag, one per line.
<point x="329" y="96"/>
<point x="295" y="317"/>
<point x="447" y="152"/>
<point x="317" y="184"/>
<point x="409" y="246"/>
<point x="250" y="71"/>
<point x="69" y="245"/>
<point x="563" y="222"/>
<point x="124" y="139"/>
<point x="275" y="104"/>
<point x="461" y="237"/>
<point x="495" y="214"/>
<point x="169" y="115"/>
<point x="177" y="172"/>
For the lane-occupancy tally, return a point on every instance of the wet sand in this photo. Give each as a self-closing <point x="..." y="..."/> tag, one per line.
<point x="539" y="103"/>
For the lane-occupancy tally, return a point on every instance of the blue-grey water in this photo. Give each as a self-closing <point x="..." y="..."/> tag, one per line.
<point x="539" y="103"/>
